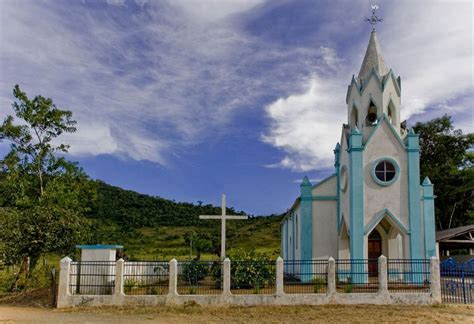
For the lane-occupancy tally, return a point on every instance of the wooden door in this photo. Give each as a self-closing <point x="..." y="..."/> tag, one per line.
<point x="375" y="250"/>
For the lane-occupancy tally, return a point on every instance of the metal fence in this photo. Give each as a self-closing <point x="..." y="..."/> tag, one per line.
<point x="305" y="276"/>
<point x="259" y="277"/>
<point x="92" y="278"/>
<point x="357" y="276"/>
<point x="199" y="277"/>
<point x="252" y="277"/>
<point x="146" y="278"/>
<point x="457" y="281"/>
<point x="411" y="275"/>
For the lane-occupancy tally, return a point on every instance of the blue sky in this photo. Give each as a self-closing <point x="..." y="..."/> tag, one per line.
<point x="187" y="99"/>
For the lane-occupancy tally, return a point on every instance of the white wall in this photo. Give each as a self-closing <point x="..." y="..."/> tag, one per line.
<point x="395" y="196"/>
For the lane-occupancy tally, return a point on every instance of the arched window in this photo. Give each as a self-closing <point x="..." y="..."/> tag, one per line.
<point x="354" y="117"/>
<point x="390" y="115"/>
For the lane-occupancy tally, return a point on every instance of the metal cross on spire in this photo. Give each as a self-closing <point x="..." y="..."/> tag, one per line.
<point x="373" y="20"/>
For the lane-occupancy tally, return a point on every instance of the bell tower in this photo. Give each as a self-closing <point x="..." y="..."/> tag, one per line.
<point x="375" y="92"/>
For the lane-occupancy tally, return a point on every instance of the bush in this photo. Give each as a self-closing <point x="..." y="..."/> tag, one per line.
<point x="194" y="271"/>
<point x="251" y="270"/>
<point x="129" y="284"/>
<point x="319" y="283"/>
<point x="7" y="277"/>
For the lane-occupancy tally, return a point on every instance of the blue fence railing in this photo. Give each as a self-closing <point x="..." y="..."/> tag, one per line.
<point x="457" y="281"/>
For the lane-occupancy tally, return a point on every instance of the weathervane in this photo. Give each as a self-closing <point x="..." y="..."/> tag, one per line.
<point x="374" y="19"/>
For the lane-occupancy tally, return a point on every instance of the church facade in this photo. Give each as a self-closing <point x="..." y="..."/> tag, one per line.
<point x="373" y="204"/>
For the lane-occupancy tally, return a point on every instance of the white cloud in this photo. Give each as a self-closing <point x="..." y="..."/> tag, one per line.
<point x="429" y="45"/>
<point x="307" y="125"/>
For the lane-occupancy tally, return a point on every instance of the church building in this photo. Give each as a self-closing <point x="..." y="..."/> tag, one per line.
<point x="373" y="203"/>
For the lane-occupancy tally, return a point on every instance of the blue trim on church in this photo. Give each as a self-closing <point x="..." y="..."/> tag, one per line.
<point x="337" y="158"/>
<point x="429" y="219"/>
<point x="414" y="206"/>
<point x="306" y="220"/>
<point x="356" y="176"/>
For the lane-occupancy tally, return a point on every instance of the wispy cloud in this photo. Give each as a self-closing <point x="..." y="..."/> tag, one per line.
<point x="145" y="78"/>
<point x="149" y="78"/>
<point x="428" y="44"/>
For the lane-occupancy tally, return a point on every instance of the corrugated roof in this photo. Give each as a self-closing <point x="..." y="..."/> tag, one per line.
<point x="453" y="232"/>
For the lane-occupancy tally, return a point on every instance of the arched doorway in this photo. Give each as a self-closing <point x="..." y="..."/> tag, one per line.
<point x="375" y="250"/>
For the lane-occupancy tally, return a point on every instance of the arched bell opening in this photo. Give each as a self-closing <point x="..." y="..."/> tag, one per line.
<point x="371" y="118"/>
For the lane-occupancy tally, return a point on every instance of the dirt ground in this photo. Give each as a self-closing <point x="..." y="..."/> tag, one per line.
<point x="196" y="314"/>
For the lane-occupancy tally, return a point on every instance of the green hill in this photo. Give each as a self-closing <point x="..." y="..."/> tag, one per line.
<point x="155" y="228"/>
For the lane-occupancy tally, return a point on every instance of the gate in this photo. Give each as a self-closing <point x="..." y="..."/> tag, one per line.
<point x="457" y="281"/>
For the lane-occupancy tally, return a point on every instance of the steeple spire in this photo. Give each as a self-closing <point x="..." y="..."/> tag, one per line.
<point x="373" y="59"/>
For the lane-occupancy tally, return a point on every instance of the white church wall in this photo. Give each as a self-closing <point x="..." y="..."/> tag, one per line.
<point x="326" y="188"/>
<point x="325" y="237"/>
<point x="395" y="196"/>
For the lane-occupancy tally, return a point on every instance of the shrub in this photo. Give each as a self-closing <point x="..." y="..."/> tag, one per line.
<point x="319" y="283"/>
<point x="129" y="284"/>
<point x="251" y="270"/>
<point x="194" y="271"/>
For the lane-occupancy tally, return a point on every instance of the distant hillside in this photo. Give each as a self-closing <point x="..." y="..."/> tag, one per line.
<point x="154" y="228"/>
<point x="131" y="209"/>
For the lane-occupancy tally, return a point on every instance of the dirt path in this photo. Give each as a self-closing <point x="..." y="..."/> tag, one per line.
<point x="287" y="314"/>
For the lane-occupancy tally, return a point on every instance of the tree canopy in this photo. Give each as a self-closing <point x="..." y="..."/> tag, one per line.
<point x="43" y="197"/>
<point x="446" y="157"/>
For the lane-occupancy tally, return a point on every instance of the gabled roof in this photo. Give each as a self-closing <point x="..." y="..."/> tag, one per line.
<point x="373" y="59"/>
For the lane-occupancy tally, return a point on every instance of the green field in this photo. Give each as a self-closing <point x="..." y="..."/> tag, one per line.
<point x="167" y="242"/>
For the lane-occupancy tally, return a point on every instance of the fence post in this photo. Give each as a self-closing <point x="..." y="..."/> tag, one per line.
<point x="119" y="267"/>
<point x="383" y="280"/>
<point x="226" y="277"/>
<point x="63" y="290"/>
<point x="279" y="276"/>
<point x="435" y="280"/>
<point x="173" y="283"/>
<point x="331" y="276"/>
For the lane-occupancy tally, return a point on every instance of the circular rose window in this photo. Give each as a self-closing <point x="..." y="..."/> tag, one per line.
<point x="385" y="171"/>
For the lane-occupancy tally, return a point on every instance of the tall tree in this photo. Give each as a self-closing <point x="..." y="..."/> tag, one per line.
<point x="447" y="159"/>
<point x="32" y="142"/>
<point x="43" y="197"/>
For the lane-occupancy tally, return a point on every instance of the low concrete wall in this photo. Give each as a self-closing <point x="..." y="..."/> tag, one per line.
<point x="382" y="297"/>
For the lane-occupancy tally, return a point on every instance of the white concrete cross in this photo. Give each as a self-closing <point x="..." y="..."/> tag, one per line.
<point x="223" y="217"/>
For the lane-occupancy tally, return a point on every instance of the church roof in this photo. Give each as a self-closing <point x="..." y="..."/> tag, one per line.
<point x="453" y="232"/>
<point x="373" y="59"/>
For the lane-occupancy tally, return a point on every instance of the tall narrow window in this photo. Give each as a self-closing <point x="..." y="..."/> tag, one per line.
<point x="354" y="117"/>
<point x="297" y="231"/>
<point x="390" y="117"/>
